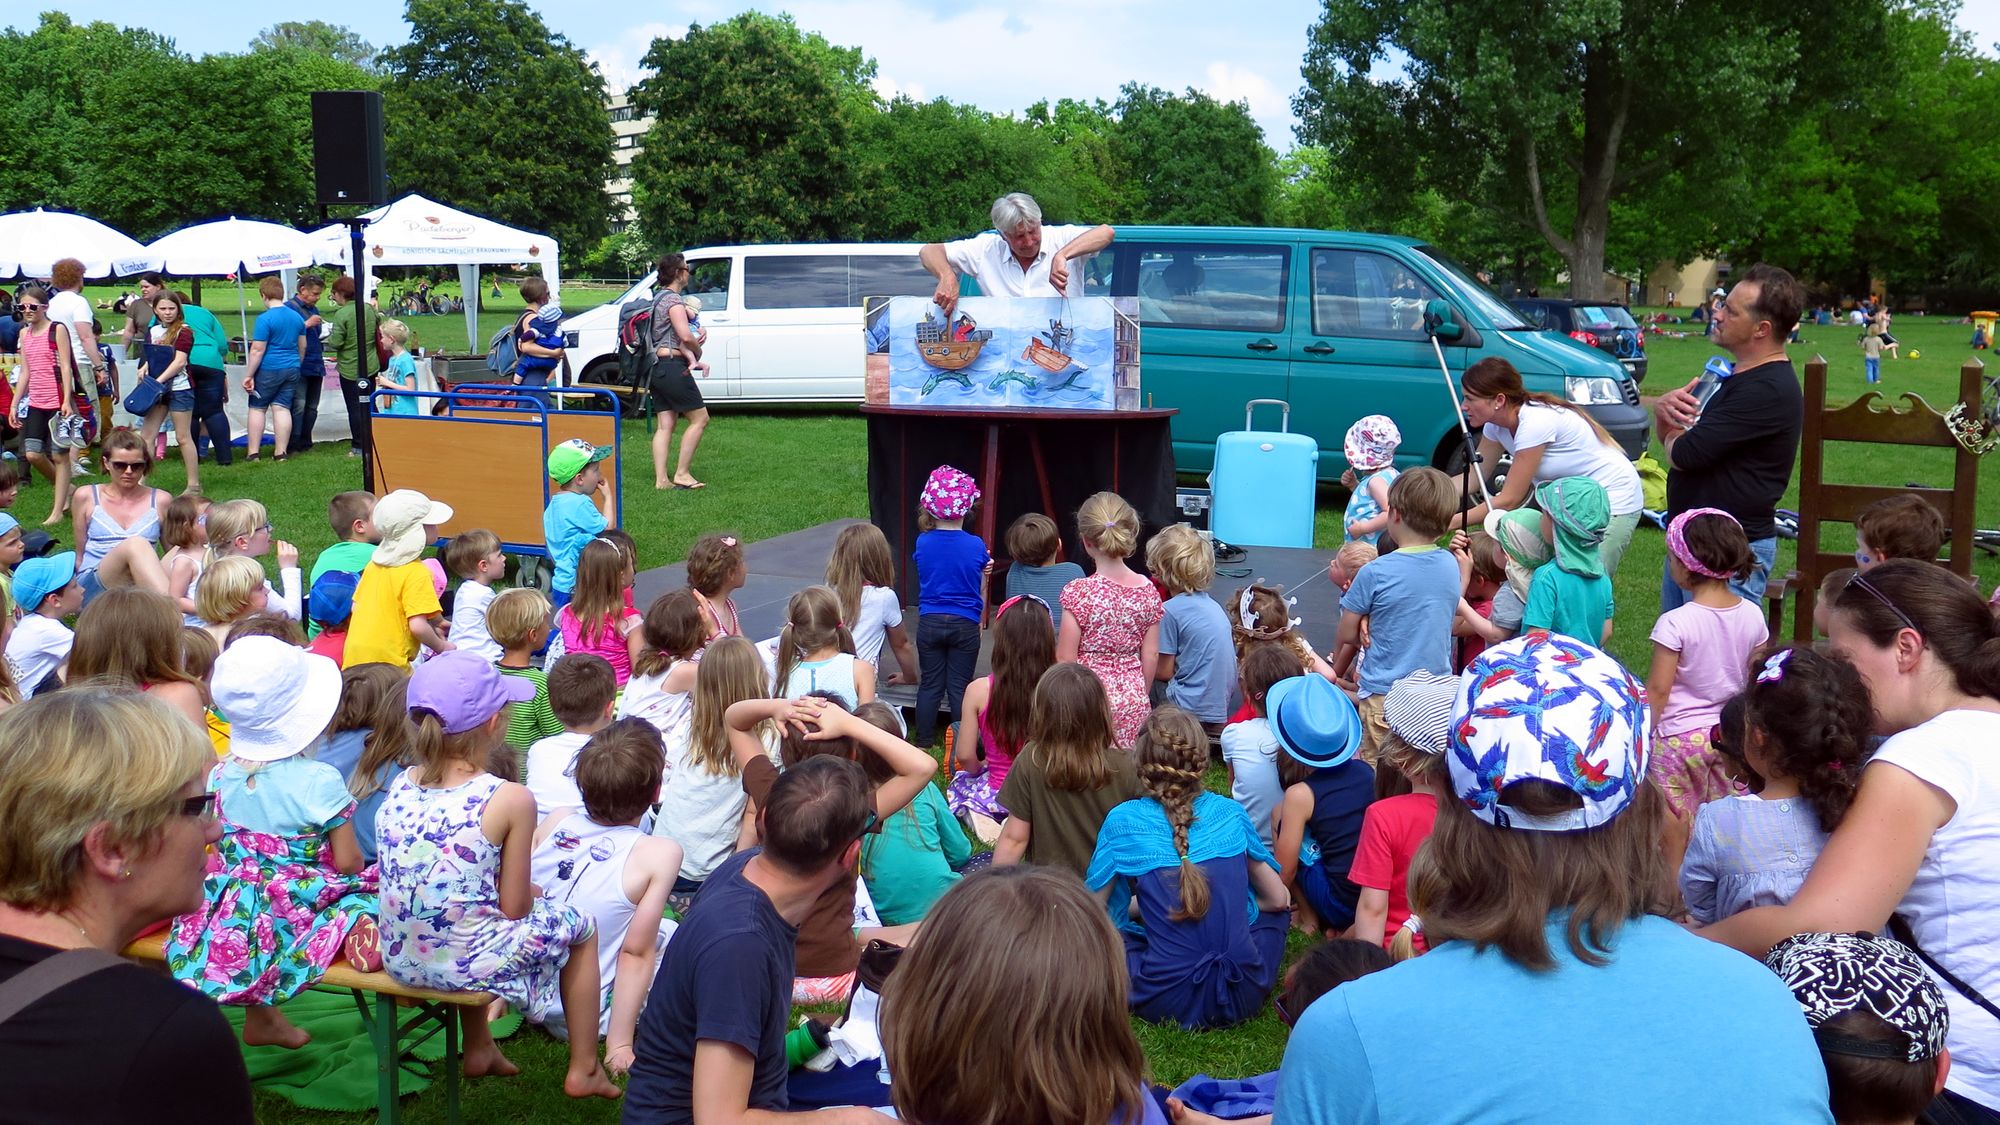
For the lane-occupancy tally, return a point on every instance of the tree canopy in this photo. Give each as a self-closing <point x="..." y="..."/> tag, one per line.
<point x="318" y="37"/>
<point x="487" y="108"/>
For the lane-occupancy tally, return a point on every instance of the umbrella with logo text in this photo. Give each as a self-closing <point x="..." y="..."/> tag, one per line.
<point x="233" y="246"/>
<point x="32" y="242"/>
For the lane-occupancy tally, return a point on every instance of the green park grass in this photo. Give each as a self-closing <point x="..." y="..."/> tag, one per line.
<point x="773" y="472"/>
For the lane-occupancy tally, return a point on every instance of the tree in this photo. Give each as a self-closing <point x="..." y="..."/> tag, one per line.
<point x="56" y="72"/>
<point x="1552" y="115"/>
<point x="1192" y="159"/>
<point x="319" y="38"/>
<point x="487" y="109"/>
<point x="754" y="138"/>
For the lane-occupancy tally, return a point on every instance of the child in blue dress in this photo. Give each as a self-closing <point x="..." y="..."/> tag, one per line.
<point x="458" y="910"/>
<point x="401" y="374"/>
<point x="286" y="883"/>
<point x="1213" y="912"/>
<point x="1371" y="452"/>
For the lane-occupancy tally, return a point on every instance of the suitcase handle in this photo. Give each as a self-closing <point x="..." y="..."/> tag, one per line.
<point x="1284" y="421"/>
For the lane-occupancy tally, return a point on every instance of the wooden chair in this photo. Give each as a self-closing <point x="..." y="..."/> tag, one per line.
<point x="1865" y="420"/>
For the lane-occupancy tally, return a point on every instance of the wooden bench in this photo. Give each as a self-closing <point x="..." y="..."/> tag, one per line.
<point x="376" y="997"/>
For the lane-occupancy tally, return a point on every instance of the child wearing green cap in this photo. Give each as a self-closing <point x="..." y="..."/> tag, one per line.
<point x="576" y="513"/>
<point x="1571" y="594"/>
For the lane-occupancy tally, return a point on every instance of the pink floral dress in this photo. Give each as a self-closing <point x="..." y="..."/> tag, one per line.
<point x="274" y="909"/>
<point x="1114" y="620"/>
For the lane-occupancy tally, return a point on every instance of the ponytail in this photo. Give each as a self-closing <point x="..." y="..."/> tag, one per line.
<point x="788" y="659"/>
<point x="427" y="745"/>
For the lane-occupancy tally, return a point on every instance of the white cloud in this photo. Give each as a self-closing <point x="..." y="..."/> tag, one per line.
<point x="887" y="88"/>
<point x="619" y="59"/>
<point x="1982" y="19"/>
<point x="1229" y="83"/>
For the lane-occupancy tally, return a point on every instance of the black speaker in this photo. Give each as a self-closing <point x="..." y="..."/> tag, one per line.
<point x="347" y="147"/>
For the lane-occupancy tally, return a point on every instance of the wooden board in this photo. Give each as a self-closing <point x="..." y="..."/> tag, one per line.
<point x="340" y="974"/>
<point x="492" y="472"/>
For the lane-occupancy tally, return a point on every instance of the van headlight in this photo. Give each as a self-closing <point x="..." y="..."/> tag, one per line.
<point x="1586" y="390"/>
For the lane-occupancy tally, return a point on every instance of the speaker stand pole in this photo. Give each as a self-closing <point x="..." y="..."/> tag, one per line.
<point x="365" y="350"/>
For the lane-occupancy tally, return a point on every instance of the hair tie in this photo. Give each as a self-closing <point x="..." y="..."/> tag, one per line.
<point x="1677" y="541"/>
<point x="729" y="541"/>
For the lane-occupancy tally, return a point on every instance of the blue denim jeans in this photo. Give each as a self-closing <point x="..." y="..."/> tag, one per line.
<point x="1749" y="589"/>
<point x="947" y="653"/>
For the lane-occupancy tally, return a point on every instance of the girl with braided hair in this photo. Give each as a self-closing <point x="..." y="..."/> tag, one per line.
<point x="1802" y="743"/>
<point x="1190" y="885"/>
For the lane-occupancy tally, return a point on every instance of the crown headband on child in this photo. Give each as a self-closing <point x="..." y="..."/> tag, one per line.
<point x="1247" y="618"/>
<point x="1677" y="541"/>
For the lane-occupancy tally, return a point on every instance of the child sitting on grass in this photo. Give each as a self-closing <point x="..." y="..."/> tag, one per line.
<point x="396" y="606"/>
<point x="597" y="860"/>
<point x="1572" y="595"/>
<point x="661" y="690"/>
<point x="458" y="909"/>
<point x="46" y="591"/>
<point x="1068" y="777"/>
<point x="1326" y="793"/>
<point x="1482" y="571"/>
<point x="582" y="693"/>
<point x="715" y="570"/>
<point x="1196" y="656"/>
<point x="371" y="735"/>
<point x="1000" y="706"/>
<point x="597" y="620"/>
<point x="242" y="529"/>
<point x="475" y="557"/>
<point x="816" y="652"/>
<point x="1879" y="1018"/>
<point x="921" y="849"/>
<point x="703" y="806"/>
<point x="331" y="609"/>
<point x="518" y="620"/>
<point x="1418" y="712"/>
<point x="1264" y="615"/>
<point x="184" y="534"/>
<point x="1249" y="749"/>
<point x="828" y="945"/>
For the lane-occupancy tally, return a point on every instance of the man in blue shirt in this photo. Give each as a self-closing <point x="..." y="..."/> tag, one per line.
<point x="312" y="362"/>
<point x="277" y="353"/>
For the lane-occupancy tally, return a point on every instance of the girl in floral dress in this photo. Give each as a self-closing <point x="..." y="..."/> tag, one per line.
<point x="286" y="883"/>
<point x="458" y="912"/>
<point x="1111" y="620"/>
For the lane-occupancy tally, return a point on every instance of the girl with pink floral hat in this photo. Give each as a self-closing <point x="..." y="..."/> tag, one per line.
<point x="1371" y="454"/>
<point x="951" y="596"/>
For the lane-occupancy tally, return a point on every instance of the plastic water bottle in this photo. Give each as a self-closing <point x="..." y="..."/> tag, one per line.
<point x="1713" y="373"/>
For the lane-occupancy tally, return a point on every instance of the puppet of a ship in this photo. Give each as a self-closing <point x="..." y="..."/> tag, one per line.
<point x="1053" y="356"/>
<point x="953" y="347"/>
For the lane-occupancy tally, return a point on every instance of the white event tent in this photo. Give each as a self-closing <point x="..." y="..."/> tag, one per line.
<point x="414" y="231"/>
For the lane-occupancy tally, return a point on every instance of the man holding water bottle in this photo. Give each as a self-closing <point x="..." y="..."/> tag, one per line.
<point x="1731" y="438"/>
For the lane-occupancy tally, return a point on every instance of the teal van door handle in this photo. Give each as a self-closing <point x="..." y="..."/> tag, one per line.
<point x="1318" y="349"/>
<point x="1261" y="346"/>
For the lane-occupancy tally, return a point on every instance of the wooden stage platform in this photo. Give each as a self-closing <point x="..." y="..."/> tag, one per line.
<point x="782" y="565"/>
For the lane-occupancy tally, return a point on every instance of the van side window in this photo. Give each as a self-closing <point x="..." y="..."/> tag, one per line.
<point x="708" y="279"/>
<point x="877" y="275"/>
<point x="795" y="281"/>
<point x="1235" y="288"/>
<point x="1358" y="293"/>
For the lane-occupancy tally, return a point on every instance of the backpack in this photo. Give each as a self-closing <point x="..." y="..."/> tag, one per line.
<point x="635" y="340"/>
<point x="503" y="353"/>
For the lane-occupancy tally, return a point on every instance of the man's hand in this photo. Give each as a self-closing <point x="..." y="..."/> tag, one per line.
<point x="1059" y="272"/>
<point x="1675" y="411"/>
<point x="946" y="297"/>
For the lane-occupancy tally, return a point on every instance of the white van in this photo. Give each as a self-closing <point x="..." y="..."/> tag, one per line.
<point x="784" y="322"/>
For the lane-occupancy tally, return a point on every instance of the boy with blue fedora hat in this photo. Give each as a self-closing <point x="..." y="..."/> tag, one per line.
<point x="1326" y="792"/>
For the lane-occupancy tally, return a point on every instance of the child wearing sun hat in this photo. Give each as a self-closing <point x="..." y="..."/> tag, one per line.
<point x="396" y="605"/>
<point x="577" y="513"/>
<point x="287" y="883"/>
<point x="950" y="596"/>
<point x="1327" y="792"/>
<point x="1878" y="1017"/>
<point x="1371" y="452"/>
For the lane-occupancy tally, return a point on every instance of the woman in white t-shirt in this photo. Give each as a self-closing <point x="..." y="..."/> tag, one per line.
<point x="1921" y="844"/>
<point x="1549" y="439"/>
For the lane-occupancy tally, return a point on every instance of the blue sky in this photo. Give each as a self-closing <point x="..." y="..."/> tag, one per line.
<point x="996" y="56"/>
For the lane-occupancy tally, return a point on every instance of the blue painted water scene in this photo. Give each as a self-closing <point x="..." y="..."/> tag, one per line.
<point x="1039" y="352"/>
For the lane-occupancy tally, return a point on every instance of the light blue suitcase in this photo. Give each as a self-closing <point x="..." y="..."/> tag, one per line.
<point x="1264" y="483"/>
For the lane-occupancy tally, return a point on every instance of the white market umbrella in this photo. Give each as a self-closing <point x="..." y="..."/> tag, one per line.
<point x="233" y="246"/>
<point x="32" y="242"/>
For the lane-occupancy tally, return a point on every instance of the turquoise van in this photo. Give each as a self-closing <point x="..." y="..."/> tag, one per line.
<point x="1332" y="322"/>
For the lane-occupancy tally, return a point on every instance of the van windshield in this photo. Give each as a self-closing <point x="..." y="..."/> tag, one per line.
<point x="1504" y="316"/>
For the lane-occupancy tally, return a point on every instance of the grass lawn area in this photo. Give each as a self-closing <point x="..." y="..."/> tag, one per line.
<point x="774" y="472"/>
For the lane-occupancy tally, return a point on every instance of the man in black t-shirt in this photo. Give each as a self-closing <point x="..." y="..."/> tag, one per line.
<point x="713" y="1032"/>
<point x="1739" y="456"/>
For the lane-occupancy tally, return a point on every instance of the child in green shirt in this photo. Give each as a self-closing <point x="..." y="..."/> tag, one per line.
<point x="518" y="621"/>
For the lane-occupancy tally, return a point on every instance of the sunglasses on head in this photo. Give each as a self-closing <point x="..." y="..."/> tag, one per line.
<point x="868" y="825"/>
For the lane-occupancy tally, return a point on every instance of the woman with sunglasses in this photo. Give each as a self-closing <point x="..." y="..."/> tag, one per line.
<point x="1915" y="856"/>
<point x="117" y="525"/>
<point x="103" y="827"/>
<point x="43" y="392"/>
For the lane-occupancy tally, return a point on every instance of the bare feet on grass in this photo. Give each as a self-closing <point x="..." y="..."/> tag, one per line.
<point x="591" y="1083"/>
<point x="265" y="1026"/>
<point x="487" y="1062"/>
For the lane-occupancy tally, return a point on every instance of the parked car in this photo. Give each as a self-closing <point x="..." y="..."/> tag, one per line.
<point x="1333" y="323"/>
<point x="784" y="321"/>
<point x="1594" y="324"/>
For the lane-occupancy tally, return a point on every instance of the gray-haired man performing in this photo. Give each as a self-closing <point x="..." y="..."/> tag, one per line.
<point x="1025" y="259"/>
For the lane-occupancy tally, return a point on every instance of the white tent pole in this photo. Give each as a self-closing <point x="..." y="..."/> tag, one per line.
<point x="468" y="287"/>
